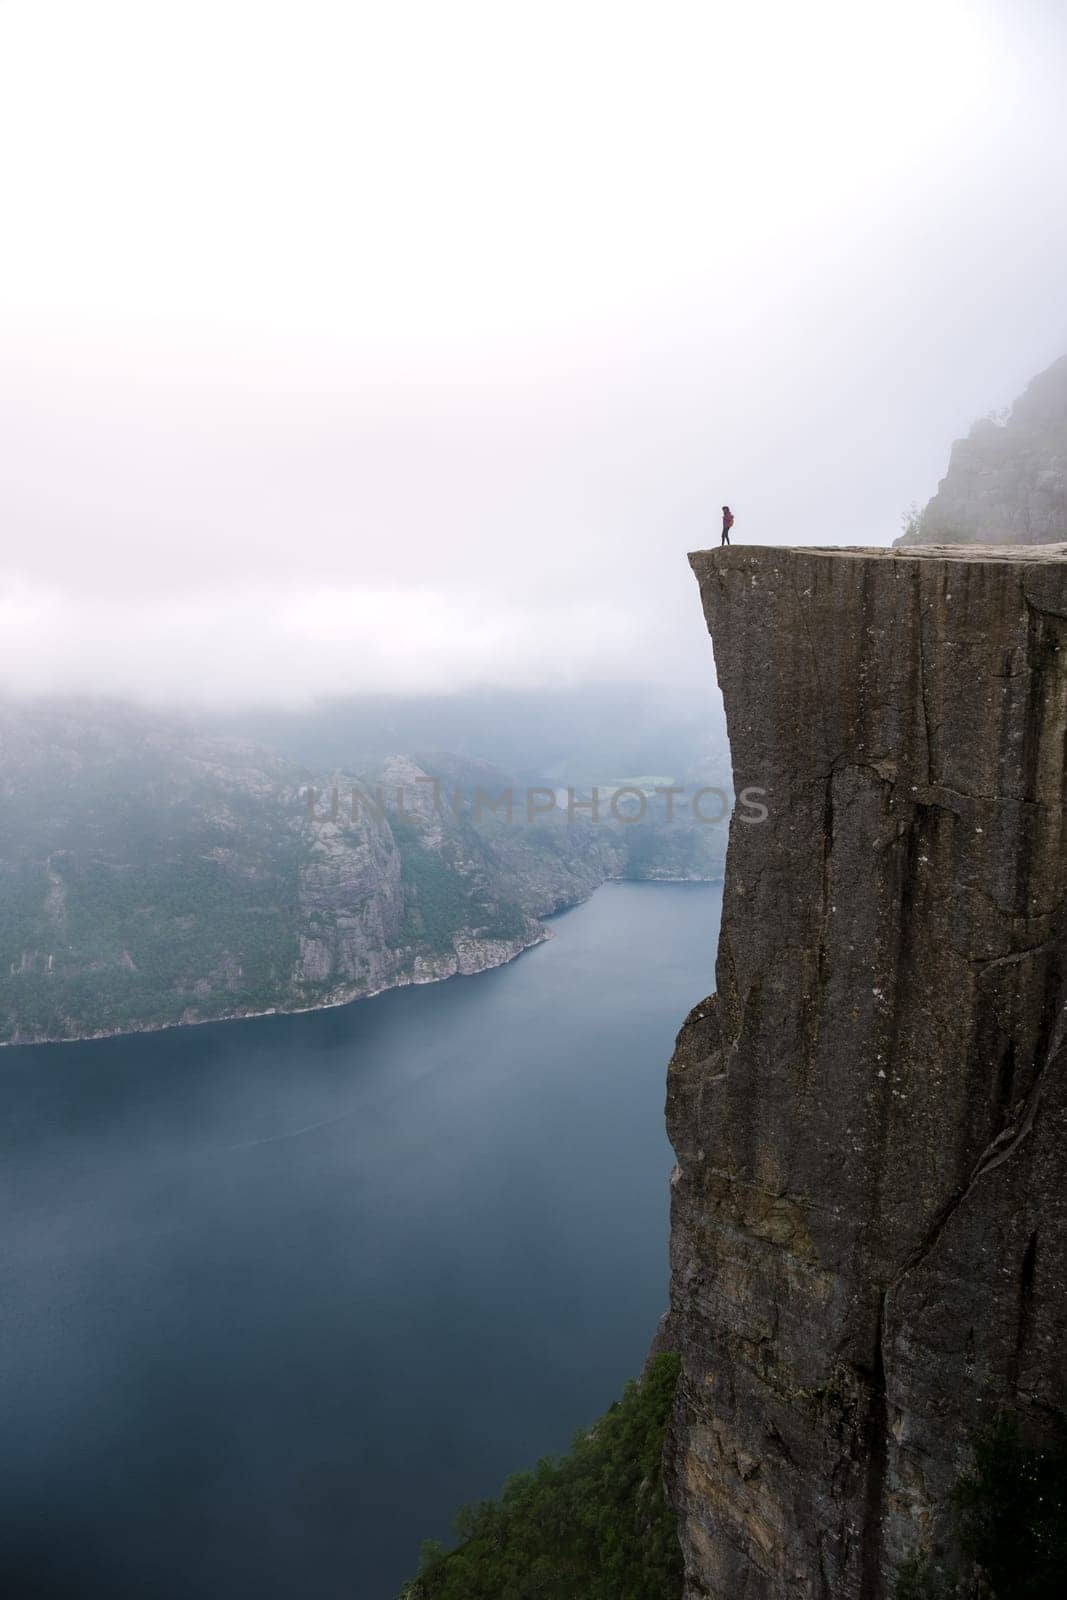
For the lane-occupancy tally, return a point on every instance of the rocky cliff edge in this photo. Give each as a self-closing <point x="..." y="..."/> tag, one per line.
<point x="869" y="1208"/>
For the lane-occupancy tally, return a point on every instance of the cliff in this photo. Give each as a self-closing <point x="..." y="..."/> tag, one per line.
<point x="1007" y="480"/>
<point x="151" y="876"/>
<point x="869" y="1208"/>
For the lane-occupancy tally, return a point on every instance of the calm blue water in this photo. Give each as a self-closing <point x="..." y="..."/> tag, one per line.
<point x="277" y="1296"/>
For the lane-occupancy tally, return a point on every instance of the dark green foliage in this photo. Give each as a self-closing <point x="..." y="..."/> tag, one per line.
<point x="594" y="1523"/>
<point x="138" y="943"/>
<point x="1012" y="1513"/>
<point x="145" y="876"/>
<point x="443" y="896"/>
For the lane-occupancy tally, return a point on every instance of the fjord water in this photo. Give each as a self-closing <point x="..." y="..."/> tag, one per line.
<point x="278" y="1295"/>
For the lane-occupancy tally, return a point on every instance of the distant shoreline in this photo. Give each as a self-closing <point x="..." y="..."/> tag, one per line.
<point x="403" y="981"/>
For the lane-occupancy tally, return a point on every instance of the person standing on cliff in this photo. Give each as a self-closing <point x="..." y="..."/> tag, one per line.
<point x="727" y="524"/>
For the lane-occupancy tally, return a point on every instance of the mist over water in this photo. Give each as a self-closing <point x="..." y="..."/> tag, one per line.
<point x="279" y="1295"/>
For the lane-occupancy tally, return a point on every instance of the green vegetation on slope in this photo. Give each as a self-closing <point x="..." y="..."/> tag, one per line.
<point x="1012" y="1511"/>
<point x="146" y="911"/>
<point x="443" y="898"/>
<point x="595" y="1523"/>
<point x="150" y="876"/>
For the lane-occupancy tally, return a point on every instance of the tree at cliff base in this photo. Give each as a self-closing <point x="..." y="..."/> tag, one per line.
<point x="594" y="1522"/>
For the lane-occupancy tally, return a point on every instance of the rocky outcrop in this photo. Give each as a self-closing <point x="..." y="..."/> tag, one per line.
<point x="869" y="1207"/>
<point x="1007" y="481"/>
<point x="151" y="876"/>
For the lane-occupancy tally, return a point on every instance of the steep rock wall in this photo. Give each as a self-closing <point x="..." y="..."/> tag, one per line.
<point x="1007" y="480"/>
<point x="869" y="1208"/>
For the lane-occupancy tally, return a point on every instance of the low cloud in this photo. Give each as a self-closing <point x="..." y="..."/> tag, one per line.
<point x="415" y="356"/>
<point x="288" y="648"/>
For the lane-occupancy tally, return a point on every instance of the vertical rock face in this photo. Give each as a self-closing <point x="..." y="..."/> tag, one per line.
<point x="869" y="1210"/>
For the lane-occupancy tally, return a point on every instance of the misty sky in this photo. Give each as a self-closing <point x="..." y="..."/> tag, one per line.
<point x="356" y="346"/>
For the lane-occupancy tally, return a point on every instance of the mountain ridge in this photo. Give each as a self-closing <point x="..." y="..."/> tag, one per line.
<point x="1007" y="480"/>
<point x="151" y="876"/>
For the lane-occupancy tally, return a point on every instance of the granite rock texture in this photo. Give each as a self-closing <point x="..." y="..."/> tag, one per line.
<point x="869" y="1207"/>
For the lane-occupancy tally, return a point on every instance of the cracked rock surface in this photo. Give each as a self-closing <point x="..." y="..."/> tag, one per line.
<point x="869" y="1208"/>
